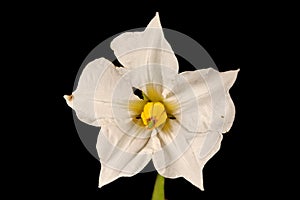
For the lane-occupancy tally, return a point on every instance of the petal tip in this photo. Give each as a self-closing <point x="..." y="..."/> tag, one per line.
<point x="100" y="185"/>
<point x="157" y="14"/>
<point x="69" y="100"/>
<point x="201" y="188"/>
<point x="229" y="77"/>
<point x="155" y="22"/>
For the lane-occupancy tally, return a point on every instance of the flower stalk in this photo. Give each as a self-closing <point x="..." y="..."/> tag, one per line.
<point x="159" y="188"/>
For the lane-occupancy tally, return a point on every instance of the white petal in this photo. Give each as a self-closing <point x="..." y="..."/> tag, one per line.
<point x="93" y="96"/>
<point x="121" y="154"/>
<point x="188" y="167"/>
<point x="181" y="157"/>
<point x="170" y="143"/>
<point x="208" y="108"/>
<point x="135" y="49"/>
<point x="214" y="110"/>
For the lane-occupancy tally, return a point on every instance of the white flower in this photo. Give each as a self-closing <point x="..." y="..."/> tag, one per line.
<point x="179" y="122"/>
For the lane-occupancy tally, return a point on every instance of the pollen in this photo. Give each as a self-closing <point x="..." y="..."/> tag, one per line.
<point x="154" y="114"/>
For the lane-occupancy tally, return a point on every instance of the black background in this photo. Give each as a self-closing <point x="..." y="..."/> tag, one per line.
<point x="61" y="36"/>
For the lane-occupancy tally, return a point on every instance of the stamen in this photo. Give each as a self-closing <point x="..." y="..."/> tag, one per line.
<point x="154" y="115"/>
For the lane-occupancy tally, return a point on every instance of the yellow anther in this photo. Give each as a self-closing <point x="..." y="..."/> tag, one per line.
<point x="154" y="115"/>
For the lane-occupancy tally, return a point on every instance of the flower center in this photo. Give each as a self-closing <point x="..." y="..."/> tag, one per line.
<point x="154" y="114"/>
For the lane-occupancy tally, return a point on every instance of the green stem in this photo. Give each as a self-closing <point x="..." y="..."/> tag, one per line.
<point x="159" y="191"/>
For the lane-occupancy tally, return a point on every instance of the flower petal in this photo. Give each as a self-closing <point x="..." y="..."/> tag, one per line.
<point x="208" y="109"/>
<point x="135" y="49"/>
<point x="215" y="109"/>
<point x="93" y="96"/>
<point x="180" y="156"/>
<point x="121" y="154"/>
<point x="189" y="165"/>
<point x="170" y="143"/>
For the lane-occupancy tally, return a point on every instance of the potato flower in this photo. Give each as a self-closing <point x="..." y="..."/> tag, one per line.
<point x="148" y="111"/>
